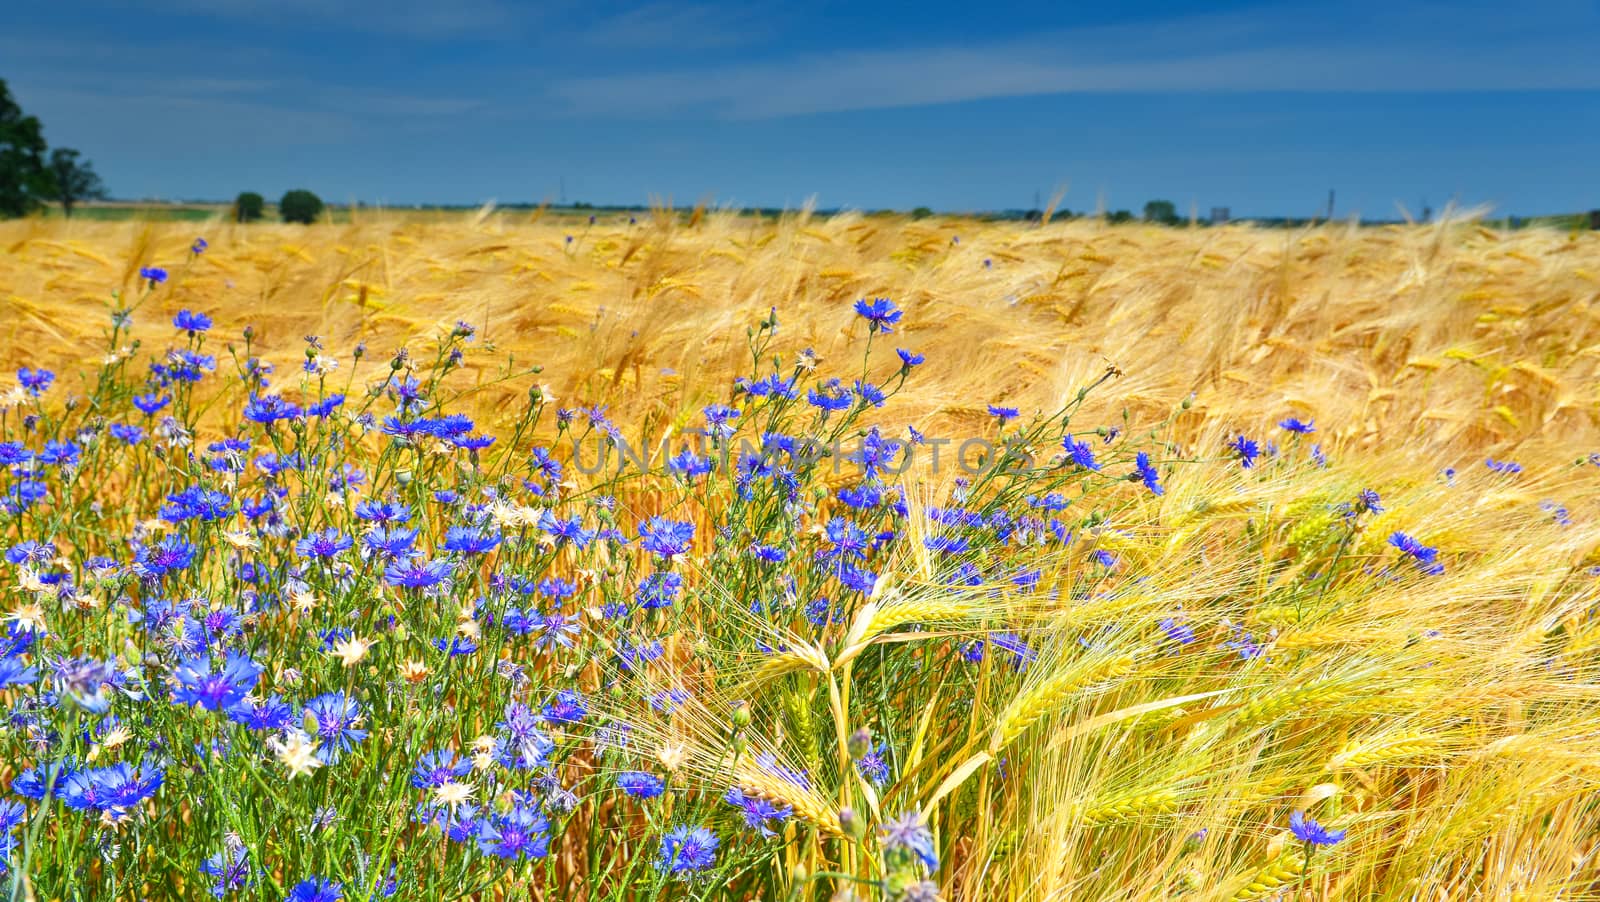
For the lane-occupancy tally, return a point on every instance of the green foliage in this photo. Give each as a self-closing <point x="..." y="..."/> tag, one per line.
<point x="301" y="206"/>
<point x="921" y="213"/>
<point x="1162" y="211"/>
<point x="24" y="180"/>
<point x="1120" y="216"/>
<point x="72" y="180"/>
<point x="248" y="206"/>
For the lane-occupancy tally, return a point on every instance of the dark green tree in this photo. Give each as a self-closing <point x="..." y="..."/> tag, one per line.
<point x="1162" y="211"/>
<point x="72" y="180"/>
<point x="1120" y="216"/>
<point x="248" y="206"/>
<point x="24" y="180"/>
<point x="300" y="205"/>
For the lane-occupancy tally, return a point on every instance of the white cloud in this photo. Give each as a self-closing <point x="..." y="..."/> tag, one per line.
<point x="1416" y="48"/>
<point x="680" y="26"/>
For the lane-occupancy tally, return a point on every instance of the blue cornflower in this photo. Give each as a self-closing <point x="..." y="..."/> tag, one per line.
<point x="36" y="382"/>
<point x="632" y="656"/>
<point x="1368" y="500"/>
<point x="1312" y="833"/>
<point x="59" y="454"/>
<point x="686" y="851"/>
<point x="555" y="587"/>
<point x="170" y="554"/>
<point x="908" y="359"/>
<point x="1148" y="473"/>
<point x="24" y="494"/>
<point x="115" y="789"/>
<point x="1003" y="414"/>
<point x="472" y="442"/>
<point x="196" y="503"/>
<point x="32" y="552"/>
<point x="325" y="406"/>
<point x="556" y="629"/>
<point x="1246" y="449"/>
<point x="149" y="404"/>
<point x="666" y="538"/>
<point x="659" y="590"/>
<point x="1297" y="426"/>
<point x="909" y="834"/>
<point x="394" y="542"/>
<point x="757" y="810"/>
<point x="191" y="322"/>
<point x="155" y="275"/>
<point x="15" y="673"/>
<point x="325" y="544"/>
<point x="435" y="769"/>
<point x="719" y="420"/>
<point x="456" y="646"/>
<point x="271" y="713"/>
<point x="688" y="466"/>
<point x="1081" y="452"/>
<point x="199" y="246"/>
<point x="568" y="529"/>
<point x="568" y="706"/>
<point x="773" y="385"/>
<point x="214" y="691"/>
<point x="417" y="573"/>
<point x="315" y="889"/>
<point x="870" y="393"/>
<point x="465" y="540"/>
<point x="1177" y="630"/>
<point x="640" y="785"/>
<point x="383" y="512"/>
<point x="1425" y="556"/>
<point x="333" y="721"/>
<point x="231" y="867"/>
<point x="880" y="314"/>
<point x="830" y="397"/>
<point x="1503" y="467"/>
<point x="522" y="832"/>
<point x="269" y="409"/>
<point x="528" y="745"/>
<point x="873" y="767"/>
<point x="876" y="454"/>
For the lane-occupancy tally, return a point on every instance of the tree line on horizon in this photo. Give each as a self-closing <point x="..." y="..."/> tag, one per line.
<point x="33" y="174"/>
<point x="29" y="176"/>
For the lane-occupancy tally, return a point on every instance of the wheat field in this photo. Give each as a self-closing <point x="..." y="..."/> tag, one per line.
<point x="1306" y="529"/>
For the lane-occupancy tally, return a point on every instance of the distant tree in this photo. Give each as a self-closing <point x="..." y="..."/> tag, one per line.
<point x="24" y="180"/>
<point x="71" y="180"/>
<point x="1162" y="211"/>
<point x="1120" y="216"/>
<point x="248" y="206"/>
<point x="921" y="213"/>
<point x="300" y="205"/>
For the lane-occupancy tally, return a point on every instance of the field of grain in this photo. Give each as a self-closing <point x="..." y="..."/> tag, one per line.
<point x="1259" y="563"/>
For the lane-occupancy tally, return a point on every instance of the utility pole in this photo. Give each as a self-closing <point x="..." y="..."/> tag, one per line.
<point x="1330" y="204"/>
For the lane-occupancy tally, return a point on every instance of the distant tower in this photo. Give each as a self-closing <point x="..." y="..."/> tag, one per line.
<point x="1219" y="215"/>
<point x="1330" y="203"/>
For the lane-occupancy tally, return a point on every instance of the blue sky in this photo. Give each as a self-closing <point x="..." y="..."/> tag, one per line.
<point x="1255" y="106"/>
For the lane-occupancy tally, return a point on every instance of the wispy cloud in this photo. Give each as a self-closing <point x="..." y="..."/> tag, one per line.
<point x="680" y="26"/>
<point x="427" y="19"/>
<point x="1405" y="50"/>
